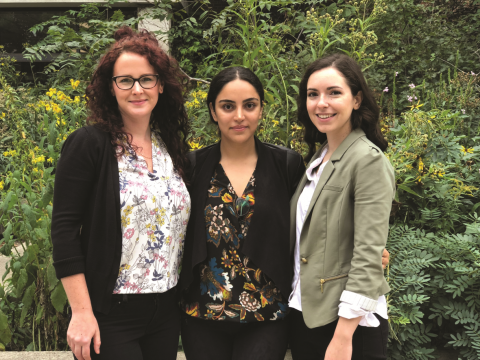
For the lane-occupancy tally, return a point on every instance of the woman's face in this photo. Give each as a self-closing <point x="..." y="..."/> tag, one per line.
<point x="136" y="103"/>
<point x="330" y="101"/>
<point x="237" y="111"/>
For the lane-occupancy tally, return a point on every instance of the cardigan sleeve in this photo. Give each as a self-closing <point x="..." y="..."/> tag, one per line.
<point x="74" y="179"/>
<point x="374" y="189"/>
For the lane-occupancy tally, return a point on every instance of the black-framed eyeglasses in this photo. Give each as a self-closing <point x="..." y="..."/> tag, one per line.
<point x="242" y="205"/>
<point x="127" y="82"/>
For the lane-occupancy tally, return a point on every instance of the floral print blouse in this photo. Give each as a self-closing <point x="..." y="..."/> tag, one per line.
<point x="228" y="286"/>
<point x="155" y="208"/>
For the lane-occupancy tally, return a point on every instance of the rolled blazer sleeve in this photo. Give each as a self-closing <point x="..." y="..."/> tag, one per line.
<point x="74" y="180"/>
<point x="374" y="189"/>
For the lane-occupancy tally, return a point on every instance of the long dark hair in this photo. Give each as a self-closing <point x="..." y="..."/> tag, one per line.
<point x="169" y="118"/>
<point x="231" y="74"/>
<point x="366" y="117"/>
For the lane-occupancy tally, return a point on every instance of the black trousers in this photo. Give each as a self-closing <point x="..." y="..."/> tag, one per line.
<point x="369" y="343"/>
<point x="215" y="340"/>
<point x="139" y="327"/>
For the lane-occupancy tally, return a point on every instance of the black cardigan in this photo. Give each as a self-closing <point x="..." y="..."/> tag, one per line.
<point x="86" y="227"/>
<point x="267" y="241"/>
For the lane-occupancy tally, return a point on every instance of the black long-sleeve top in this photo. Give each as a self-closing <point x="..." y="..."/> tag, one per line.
<point x="86" y="227"/>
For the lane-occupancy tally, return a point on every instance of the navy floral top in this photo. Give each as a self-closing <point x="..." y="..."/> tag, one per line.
<point x="228" y="286"/>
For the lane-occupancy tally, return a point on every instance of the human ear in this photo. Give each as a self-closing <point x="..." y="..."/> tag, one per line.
<point x="160" y="88"/>
<point x="212" y="111"/>
<point x="261" y="113"/>
<point x="357" y="100"/>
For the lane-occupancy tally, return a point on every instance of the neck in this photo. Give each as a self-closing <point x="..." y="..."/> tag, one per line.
<point x="335" y="139"/>
<point x="237" y="152"/>
<point x="140" y="130"/>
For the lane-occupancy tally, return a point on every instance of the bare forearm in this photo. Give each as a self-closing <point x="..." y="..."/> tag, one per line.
<point x="346" y="327"/>
<point x="77" y="292"/>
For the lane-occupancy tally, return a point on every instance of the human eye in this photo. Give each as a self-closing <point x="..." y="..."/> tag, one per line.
<point x="312" y="94"/>
<point x="147" y="79"/>
<point x="227" y="107"/>
<point x="250" y="106"/>
<point x="336" y="92"/>
<point x="124" y="80"/>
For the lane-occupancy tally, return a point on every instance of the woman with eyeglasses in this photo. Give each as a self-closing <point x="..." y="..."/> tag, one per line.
<point x="121" y="206"/>
<point x="339" y="219"/>
<point x="236" y="272"/>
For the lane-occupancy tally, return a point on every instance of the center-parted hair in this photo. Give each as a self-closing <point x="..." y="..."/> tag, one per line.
<point x="367" y="117"/>
<point x="230" y="74"/>
<point x="169" y="118"/>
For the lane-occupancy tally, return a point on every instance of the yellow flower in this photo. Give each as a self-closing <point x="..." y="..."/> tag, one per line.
<point x="194" y="145"/>
<point x="416" y="106"/>
<point x="275" y="123"/>
<point x="50" y="160"/>
<point x="420" y="165"/>
<point x="1" y="185"/>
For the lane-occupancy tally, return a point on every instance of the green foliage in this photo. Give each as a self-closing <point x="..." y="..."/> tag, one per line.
<point x="33" y="315"/>
<point x="76" y="40"/>
<point x="430" y="118"/>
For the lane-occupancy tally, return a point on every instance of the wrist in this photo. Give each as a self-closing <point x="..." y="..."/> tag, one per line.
<point x="82" y="310"/>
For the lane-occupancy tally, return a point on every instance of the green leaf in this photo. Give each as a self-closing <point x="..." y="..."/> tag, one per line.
<point x="22" y="281"/>
<point x="407" y="189"/>
<point x="5" y="333"/>
<point x="27" y="301"/>
<point x="51" y="277"/>
<point x="59" y="297"/>
<point x="41" y="233"/>
<point x="39" y="313"/>
<point x="33" y="251"/>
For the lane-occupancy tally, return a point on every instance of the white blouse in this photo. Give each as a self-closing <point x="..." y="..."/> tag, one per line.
<point x="155" y="208"/>
<point x="350" y="303"/>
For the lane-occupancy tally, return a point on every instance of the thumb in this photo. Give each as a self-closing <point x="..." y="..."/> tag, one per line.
<point x="96" y="341"/>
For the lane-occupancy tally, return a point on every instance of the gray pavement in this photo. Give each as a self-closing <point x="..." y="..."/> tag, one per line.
<point x="64" y="355"/>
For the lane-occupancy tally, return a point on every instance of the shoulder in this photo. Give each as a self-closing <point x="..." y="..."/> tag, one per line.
<point x="89" y="134"/>
<point x="87" y="141"/>
<point x="290" y="154"/>
<point x="369" y="158"/>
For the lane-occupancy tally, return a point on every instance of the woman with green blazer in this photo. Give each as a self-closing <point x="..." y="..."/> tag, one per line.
<point x="339" y="219"/>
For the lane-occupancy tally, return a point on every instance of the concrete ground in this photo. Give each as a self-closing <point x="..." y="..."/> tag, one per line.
<point x="63" y="355"/>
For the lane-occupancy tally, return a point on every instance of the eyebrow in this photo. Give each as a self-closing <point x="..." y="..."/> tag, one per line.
<point x="329" y="88"/>
<point x="233" y="102"/>
<point x="133" y="76"/>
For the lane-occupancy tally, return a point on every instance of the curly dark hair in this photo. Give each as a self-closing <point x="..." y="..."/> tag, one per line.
<point x="367" y="117"/>
<point x="169" y="118"/>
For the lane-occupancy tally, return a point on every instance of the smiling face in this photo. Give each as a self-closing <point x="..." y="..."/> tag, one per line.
<point x="237" y="111"/>
<point x="137" y="103"/>
<point x="330" y="102"/>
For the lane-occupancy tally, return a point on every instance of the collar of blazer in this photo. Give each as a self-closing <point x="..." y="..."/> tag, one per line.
<point x="326" y="174"/>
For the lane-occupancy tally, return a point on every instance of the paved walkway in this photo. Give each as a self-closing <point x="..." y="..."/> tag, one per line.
<point x="63" y="355"/>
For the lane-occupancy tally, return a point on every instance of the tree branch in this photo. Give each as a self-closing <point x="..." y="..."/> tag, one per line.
<point x="194" y="79"/>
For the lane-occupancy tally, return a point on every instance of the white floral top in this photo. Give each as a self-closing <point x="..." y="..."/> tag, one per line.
<point x="155" y="208"/>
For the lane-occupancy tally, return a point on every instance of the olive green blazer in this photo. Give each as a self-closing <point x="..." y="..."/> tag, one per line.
<point x="345" y="228"/>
